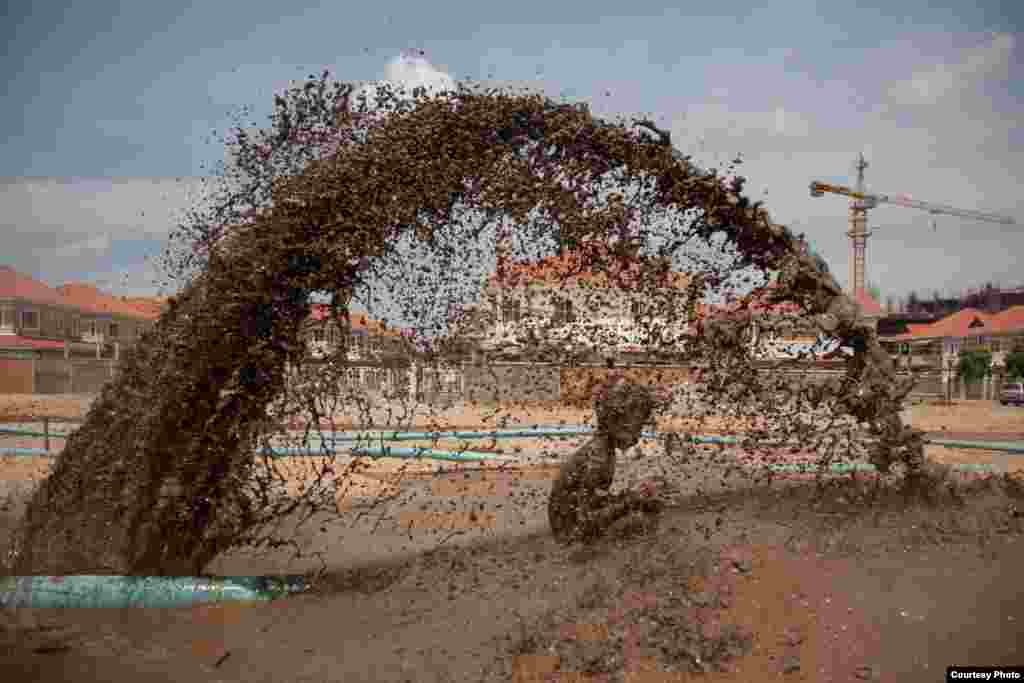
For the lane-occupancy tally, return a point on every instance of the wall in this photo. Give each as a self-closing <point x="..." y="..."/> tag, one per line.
<point x="511" y="382"/>
<point x="573" y="385"/>
<point x="129" y="329"/>
<point x="578" y="383"/>
<point x="588" y="302"/>
<point x="15" y="373"/>
<point x="74" y="376"/>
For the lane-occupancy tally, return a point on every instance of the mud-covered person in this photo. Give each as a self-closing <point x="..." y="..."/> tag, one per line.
<point x="581" y="507"/>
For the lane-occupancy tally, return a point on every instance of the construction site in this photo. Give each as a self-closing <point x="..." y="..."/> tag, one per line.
<point x="816" y="522"/>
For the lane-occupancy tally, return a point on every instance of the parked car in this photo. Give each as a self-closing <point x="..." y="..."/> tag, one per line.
<point x="1013" y="392"/>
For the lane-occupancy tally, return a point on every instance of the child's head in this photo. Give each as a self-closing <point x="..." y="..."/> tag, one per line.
<point x="623" y="408"/>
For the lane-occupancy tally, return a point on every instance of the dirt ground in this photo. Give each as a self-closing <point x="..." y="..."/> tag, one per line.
<point x="739" y="581"/>
<point x="961" y="416"/>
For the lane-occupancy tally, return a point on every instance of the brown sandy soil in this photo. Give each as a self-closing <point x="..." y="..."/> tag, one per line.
<point x="746" y="587"/>
<point x="967" y="416"/>
<point x="743" y="581"/>
<point x="38" y="405"/>
<point x="962" y="416"/>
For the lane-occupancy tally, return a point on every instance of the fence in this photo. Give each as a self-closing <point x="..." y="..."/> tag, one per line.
<point x="26" y="373"/>
<point x="511" y="381"/>
<point x="74" y="375"/>
<point x="506" y="380"/>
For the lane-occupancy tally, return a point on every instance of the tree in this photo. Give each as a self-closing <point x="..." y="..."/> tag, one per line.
<point x="913" y="303"/>
<point x="165" y="472"/>
<point x="1015" y="365"/>
<point x="973" y="366"/>
<point x="875" y="291"/>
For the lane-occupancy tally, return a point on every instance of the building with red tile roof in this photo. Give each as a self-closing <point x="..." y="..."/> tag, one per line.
<point x="593" y="263"/>
<point x="35" y="316"/>
<point x="88" y="298"/>
<point x="966" y="330"/>
<point x="17" y="286"/>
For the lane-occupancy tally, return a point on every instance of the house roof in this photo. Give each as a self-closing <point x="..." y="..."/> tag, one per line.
<point x="868" y="306"/>
<point x="1010" y="320"/>
<point x="88" y="298"/>
<point x="85" y="297"/>
<point x="966" y="323"/>
<point x="15" y="285"/>
<point x="148" y="305"/>
<point x="580" y="265"/>
<point x="359" y="323"/>
<point x="13" y="341"/>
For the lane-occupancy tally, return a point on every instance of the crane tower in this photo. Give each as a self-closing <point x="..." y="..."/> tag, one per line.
<point x="858" y="233"/>
<point x="863" y="200"/>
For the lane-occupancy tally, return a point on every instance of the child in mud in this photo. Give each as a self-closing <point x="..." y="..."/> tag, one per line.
<point x="580" y="507"/>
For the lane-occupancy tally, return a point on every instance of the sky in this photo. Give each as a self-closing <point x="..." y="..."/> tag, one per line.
<point x="109" y="110"/>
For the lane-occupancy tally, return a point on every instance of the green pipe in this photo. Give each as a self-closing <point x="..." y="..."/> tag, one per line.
<point x="1004" y="446"/>
<point x="430" y="453"/>
<point x="1008" y="447"/>
<point x="27" y="432"/>
<point x="375" y="452"/>
<point x="141" y="591"/>
<point x="859" y="467"/>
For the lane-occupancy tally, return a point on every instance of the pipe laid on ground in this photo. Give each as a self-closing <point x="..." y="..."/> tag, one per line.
<point x="427" y="453"/>
<point x="141" y="591"/>
<point x="397" y="452"/>
<point x="811" y="468"/>
<point x="1003" y="446"/>
<point x="28" y="432"/>
<point x="347" y="437"/>
<point x="471" y="456"/>
<point x="373" y="452"/>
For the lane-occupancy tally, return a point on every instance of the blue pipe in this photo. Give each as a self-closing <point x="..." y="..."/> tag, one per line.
<point x="345" y="437"/>
<point x="374" y="452"/>
<point x="141" y="591"/>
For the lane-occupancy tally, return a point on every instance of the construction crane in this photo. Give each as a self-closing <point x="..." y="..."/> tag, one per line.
<point x="864" y="200"/>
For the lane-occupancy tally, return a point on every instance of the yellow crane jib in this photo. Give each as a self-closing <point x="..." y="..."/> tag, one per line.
<point x="872" y="200"/>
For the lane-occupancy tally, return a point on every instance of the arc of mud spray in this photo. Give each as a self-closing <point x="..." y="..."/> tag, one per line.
<point x="73" y="511"/>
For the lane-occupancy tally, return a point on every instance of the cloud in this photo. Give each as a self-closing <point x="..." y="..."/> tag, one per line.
<point x="412" y="69"/>
<point x="406" y="72"/>
<point x="941" y="83"/>
<point x="58" y="229"/>
<point x="940" y="129"/>
<point x="89" y="247"/>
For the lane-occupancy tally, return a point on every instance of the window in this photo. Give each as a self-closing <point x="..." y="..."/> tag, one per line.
<point x="451" y="380"/>
<point x="114" y="330"/>
<point x="6" y="316"/>
<point x="92" y="328"/>
<point x="59" y="323"/>
<point x="636" y="309"/>
<point x="76" y="327"/>
<point x="563" y="311"/>
<point x="30" y="320"/>
<point x="511" y="312"/>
